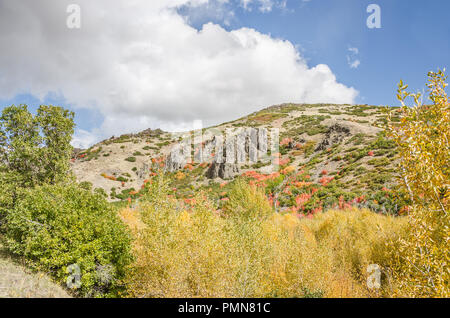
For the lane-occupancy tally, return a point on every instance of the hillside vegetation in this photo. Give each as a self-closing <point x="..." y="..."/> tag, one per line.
<point x="247" y="250"/>
<point x="332" y="154"/>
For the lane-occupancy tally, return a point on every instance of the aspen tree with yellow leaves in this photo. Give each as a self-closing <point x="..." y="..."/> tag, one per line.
<point x="421" y="267"/>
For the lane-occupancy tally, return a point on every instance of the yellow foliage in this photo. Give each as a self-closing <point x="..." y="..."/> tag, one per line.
<point x="247" y="201"/>
<point x="198" y="253"/>
<point x="421" y="262"/>
<point x="180" y="175"/>
<point x="288" y="170"/>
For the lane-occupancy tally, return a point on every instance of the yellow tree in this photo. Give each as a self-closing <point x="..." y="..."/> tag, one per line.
<point x="422" y="137"/>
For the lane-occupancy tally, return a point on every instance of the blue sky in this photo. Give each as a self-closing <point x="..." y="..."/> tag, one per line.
<point x="413" y="39"/>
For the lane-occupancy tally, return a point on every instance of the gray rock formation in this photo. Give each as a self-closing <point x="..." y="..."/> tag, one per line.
<point x="224" y="164"/>
<point x="178" y="157"/>
<point x="143" y="172"/>
<point x="244" y="146"/>
<point x="334" y="135"/>
<point x="226" y="154"/>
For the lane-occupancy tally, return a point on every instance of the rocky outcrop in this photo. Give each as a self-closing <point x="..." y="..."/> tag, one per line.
<point x="150" y="133"/>
<point x="225" y="153"/>
<point x="245" y="146"/>
<point x="222" y="170"/>
<point x="143" y="172"/>
<point x="178" y="157"/>
<point x="334" y="135"/>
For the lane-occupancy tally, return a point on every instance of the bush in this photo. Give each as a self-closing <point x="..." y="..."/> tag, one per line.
<point x="8" y="186"/>
<point x="86" y="185"/>
<point x="131" y="159"/>
<point x="247" y="201"/>
<point x="56" y="226"/>
<point x="101" y="192"/>
<point x="194" y="251"/>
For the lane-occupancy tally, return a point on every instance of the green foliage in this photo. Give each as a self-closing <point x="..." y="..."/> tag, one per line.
<point x="8" y="192"/>
<point x="101" y="192"/>
<point x="125" y="194"/>
<point x="55" y="226"/>
<point x="131" y="159"/>
<point x="309" y="148"/>
<point x="86" y="185"/>
<point x="311" y="125"/>
<point x="36" y="147"/>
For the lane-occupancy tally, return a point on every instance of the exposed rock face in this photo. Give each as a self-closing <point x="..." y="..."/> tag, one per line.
<point x="334" y="135"/>
<point x="143" y="172"/>
<point x="224" y="164"/>
<point x="178" y="157"/>
<point x="248" y="143"/>
<point x="226" y="154"/>
<point x="222" y="170"/>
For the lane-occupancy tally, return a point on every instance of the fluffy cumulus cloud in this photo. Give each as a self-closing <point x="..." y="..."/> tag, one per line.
<point x="141" y="65"/>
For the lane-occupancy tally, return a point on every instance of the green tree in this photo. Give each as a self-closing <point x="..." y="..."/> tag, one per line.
<point x="19" y="143"/>
<point x="36" y="148"/>
<point x="57" y="128"/>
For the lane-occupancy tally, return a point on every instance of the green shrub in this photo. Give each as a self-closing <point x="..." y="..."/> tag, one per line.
<point x="131" y="159"/>
<point x="247" y="201"/>
<point x="86" y="185"/>
<point x="57" y="226"/>
<point x="101" y="191"/>
<point x="8" y="188"/>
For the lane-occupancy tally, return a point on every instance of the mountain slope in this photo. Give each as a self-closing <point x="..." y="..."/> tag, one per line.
<point x="329" y="155"/>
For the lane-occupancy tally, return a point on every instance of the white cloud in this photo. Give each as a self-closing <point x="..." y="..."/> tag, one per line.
<point x="354" y="64"/>
<point x="213" y="10"/>
<point x="352" y="60"/>
<point x="263" y="5"/>
<point x="141" y="65"/>
<point x="354" y="50"/>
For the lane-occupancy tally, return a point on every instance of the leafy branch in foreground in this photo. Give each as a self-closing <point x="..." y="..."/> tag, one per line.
<point x="422" y="138"/>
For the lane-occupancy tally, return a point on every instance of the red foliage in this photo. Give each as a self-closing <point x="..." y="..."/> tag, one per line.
<point x="325" y="180"/>
<point x="301" y="200"/>
<point x="286" y="141"/>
